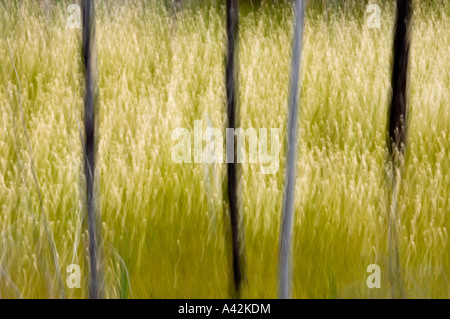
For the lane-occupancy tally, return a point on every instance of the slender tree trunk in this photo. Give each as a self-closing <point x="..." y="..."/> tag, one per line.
<point x="177" y="7"/>
<point x="231" y="89"/>
<point x="90" y="110"/>
<point x="397" y="129"/>
<point x="398" y="106"/>
<point x="178" y="4"/>
<point x="288" y="202"/>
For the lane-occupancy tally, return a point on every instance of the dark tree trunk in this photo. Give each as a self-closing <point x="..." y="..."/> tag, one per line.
<point x="397" y="120"/>
<point x="90" y="110"/>
<point x="231" y="90"/>
<point x="397" y="133"/>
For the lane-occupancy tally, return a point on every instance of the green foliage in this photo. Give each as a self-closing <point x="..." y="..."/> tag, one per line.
<point x="164" y="230"/>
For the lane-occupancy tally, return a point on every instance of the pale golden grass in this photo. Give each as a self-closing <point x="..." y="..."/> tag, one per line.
<point x="162" y="238"/>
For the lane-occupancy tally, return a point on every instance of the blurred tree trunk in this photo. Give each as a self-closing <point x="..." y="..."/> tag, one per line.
<point x="231" y="91"/>
<point x="397" y="133"/>
<point x="284" y="264"/>
<point x="90" y="127"/>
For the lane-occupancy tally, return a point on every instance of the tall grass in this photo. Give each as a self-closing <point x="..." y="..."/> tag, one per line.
<point x="158" y="237"/>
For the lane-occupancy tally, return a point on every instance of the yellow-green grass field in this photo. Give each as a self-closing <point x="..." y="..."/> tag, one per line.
<point x="164" y="225"/>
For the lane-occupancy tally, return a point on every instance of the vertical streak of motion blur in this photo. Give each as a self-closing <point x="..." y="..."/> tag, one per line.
<point x="231" y="77"/>
<point x="397" y="132"/>
<point x="288" y="202"/>
<point x="90" y="108"/>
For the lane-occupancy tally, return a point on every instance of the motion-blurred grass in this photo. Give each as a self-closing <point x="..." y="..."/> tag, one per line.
<point x="165" y="225"/>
